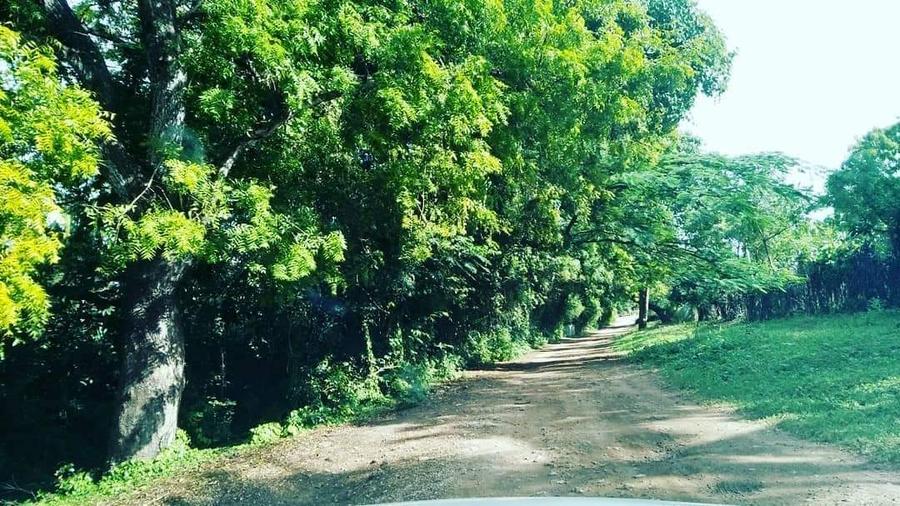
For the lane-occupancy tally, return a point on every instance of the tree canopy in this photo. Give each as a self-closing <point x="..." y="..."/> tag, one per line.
<point x="865" y="191"/>
<point x="274" y="210"/>
<point x="48" y="137"/>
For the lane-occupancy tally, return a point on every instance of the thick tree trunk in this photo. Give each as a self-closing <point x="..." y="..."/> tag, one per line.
<point x="643" y="308"/>
<point x="162" y="43"/>
<point x="153" y="353"/>
<point x="152" y="374"/>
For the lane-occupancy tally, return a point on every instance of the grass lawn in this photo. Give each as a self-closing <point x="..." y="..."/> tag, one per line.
<point x="832" y="379"/>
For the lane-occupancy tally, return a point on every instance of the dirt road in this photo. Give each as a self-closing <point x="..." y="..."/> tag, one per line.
<point x="570" y="419"/>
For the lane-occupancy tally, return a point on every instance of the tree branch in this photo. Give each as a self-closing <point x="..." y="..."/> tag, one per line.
<point x="103" y="33"/>
<point x="82" y="53"/>
<point x="670" y="246"/>
<point x="192" y="12"/>
<point x="567" y="233"/>
<point x="250" y="138"/>
<point x="84" y="56"/>
<point x="264" y="131"/>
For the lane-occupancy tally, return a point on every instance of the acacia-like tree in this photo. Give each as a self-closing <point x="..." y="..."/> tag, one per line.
<point x="460" y="156"/>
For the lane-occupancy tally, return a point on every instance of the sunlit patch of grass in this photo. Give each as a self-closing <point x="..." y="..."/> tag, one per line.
<point x="833" y="379"/>
<point x="651" y="337"/>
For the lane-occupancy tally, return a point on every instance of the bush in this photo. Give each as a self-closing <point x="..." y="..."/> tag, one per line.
<point x="79" y="487"/>
<point x="72" y="482"/>
<point x="496" y="345"/>
<point x="210" y="424"/>
<point x="337" y="388"/>
<point x="589" y="316"/>
<point x="573" y="309"/>
<point x="536" y="339"/>
<point x="266" y="433"/>
<point x="608" y="317"/>
<point x="875" y="304"/>
<point x="410" y="383"/>
<point x="685" y="313"/>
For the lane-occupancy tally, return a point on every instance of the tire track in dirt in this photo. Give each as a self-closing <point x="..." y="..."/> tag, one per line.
<point x="571" y="419"/>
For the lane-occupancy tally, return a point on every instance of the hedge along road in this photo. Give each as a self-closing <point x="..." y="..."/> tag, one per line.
<point x="569" y="420"/>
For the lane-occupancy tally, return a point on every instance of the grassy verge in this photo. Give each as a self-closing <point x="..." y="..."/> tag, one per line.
<point x="832" y="379"/>
<point x="76" y="487"/>
<point x="80" y="487"/>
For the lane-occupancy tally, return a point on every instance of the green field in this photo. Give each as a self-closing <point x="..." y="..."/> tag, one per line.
<point x="832" y="379"/>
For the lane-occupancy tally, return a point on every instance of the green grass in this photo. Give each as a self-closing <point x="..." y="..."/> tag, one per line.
<point x="832" y="379"/>
<point x="79" y="487"/>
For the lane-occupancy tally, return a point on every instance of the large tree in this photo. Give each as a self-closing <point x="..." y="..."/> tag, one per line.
<point x="172" y="190"/>
<point x="458" y="146"/>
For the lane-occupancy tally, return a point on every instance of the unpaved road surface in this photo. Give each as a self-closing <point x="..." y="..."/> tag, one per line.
<point x="569" y="420"/>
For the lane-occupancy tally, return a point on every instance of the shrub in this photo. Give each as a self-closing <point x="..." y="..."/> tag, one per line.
<point x="210" y="423"/>
<point x="608" y="317"/>
<point x="409" y="383"/>
<point x="266" y="433"/>
<point x="875" y="304"/>
<point x="495" y="345"/>
<point x="590" y="316"/>
<point x="573" y="308"/>
<point x="72" y="482"/>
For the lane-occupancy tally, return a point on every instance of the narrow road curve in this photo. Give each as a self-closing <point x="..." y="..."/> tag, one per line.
<point x="569" y="420"/>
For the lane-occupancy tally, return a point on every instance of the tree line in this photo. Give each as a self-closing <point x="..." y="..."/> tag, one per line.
<point x="220" y="213"/>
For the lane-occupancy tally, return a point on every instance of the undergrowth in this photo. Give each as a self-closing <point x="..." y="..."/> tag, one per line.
<point x="81" y="487"/>
<point x="336" y="393"/>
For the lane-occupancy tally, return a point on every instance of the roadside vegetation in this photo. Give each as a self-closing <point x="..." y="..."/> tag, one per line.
<point x="827" y="378"/>
<point x="242" y="218"/>
<point x="358" y="401"/>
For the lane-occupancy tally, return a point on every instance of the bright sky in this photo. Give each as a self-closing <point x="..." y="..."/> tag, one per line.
<point x="810" y="77"/>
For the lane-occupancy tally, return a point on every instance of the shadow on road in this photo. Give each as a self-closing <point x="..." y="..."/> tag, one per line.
<point x="570" y="419"/>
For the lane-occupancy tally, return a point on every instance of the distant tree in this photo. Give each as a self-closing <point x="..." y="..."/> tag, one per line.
<point x="708" y="226"/>
<point x="865" y="191"/>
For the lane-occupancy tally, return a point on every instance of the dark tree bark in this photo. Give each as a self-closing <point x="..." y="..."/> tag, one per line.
<point x="152" y="377"/>
<point x="152" y="373"/>
<point x="665" y="316"/>
<point x="79" y="52"/>
<point x="643" y="308"/>
<point x="162" y="45"/>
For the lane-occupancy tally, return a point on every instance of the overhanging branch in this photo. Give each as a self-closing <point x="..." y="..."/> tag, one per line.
<point x="253" y="136"/>
<point x="83" y="55"/>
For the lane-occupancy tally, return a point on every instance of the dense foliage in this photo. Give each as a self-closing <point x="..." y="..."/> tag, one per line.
<point x="48" y="135"/>
<point x="304" y="208"/>
<point x="851" y="260"/>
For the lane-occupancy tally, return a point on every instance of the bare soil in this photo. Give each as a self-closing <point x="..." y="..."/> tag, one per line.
<point x="569" y="420"/>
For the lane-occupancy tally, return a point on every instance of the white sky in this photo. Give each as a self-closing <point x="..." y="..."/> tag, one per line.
<point x="810" y="77"/>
